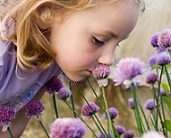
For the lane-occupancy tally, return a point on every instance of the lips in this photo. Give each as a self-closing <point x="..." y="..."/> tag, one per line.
<point x="89" y="71"/>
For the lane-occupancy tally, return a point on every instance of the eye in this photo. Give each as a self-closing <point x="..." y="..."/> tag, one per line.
<point x="98" y="42"/>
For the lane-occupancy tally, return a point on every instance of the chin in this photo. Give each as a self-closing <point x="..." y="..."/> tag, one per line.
<point x="77" y="79"/>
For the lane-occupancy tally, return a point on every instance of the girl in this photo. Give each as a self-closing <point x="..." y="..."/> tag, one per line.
<point x="41" y="39"/>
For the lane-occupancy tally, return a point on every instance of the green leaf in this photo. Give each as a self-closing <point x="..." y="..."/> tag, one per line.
<point x="166" y="88"/>
<point x="168" y="125"/>
<point x="167" y="101"/>
<point x="155" y="66"/>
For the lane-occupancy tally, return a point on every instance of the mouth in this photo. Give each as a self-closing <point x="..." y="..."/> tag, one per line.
<point x="90" y="72"/>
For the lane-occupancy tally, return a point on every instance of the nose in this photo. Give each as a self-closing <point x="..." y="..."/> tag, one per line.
<point x="107" y="56"/>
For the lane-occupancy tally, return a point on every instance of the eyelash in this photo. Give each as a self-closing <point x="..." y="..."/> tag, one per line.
<point x="98" y="42"/>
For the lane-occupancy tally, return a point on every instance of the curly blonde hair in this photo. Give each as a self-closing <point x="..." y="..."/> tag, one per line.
<point x="33" y="47"/>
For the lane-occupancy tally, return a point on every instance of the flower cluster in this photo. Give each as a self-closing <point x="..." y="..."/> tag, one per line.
<point x="101" y="72"/>
<point x="67" y="128"/>
<point x="34" y="108"/>
<point x="6" y="115"/>
<point x="127" y="71"/>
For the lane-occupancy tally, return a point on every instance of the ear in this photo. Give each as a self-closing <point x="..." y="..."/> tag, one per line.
<point x="44" y="16"/>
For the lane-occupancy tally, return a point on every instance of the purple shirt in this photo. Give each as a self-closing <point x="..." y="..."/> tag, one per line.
<point x="17" y="87"/>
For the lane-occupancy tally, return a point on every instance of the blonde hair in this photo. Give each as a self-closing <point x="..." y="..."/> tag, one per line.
<point x="33" y="47"/>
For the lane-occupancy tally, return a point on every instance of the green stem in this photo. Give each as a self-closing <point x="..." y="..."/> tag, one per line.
<point x="157" y="99"/>
<point x="168" y="77"/>
<point x="93" y="118"/>
<point x="72" y="100"/>
<point x="148" y="126"/>
<point x="10" y="132"/>
<point x="164" y="117"/>
<point x="55" y="107"/>
<point x="81" y="119"/>
<point x="89" y="106"/>
<point x="114" y="132"/>
<point x="98" y="99"/>
<point x="139" y="119"/>
<point x="44" y="128"/>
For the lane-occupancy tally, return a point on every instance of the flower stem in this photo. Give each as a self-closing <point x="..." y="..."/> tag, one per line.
<point x="10" y="132"/>
<point x="157" y="99"/>
<point x="137" y="113"/>
<point x="89" y="106"/>
<point x="72" y="100"/>
<point x="81" y="119"/>
<point x="98" y="99"/>
<point x="168" y="77"/>
<point x="114" y="132"/>
<point x="44" y="128"/>
<point x="55" y="107"/>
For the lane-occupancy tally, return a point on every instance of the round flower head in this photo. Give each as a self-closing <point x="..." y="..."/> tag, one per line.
<point x="34" y="108"/>
<point x="67" y="128"/>
<point x="154" y="39"/>
<point x="152" y="60"/>
<point x="163" y="58"/>
<point x="151" y="78"/>
<point x="6" y="115"/>
<point x="127" y="69"/>
<point x="162" y="92"/>
<point x="113" y="112"/>
<point x="152" y="134"/>
<point x="149" y="105"/>
<point x="164" y="39"/>
<point x="131" y="103"/>
<point x="129" y="134"/>
<point x="64" y="93"/>
<point x="54" y="85"/>
<point x="120" y="129"/>
<point x="105" y="135"/>
<point x="101" y="71"/>
<point x="89" y="109"/>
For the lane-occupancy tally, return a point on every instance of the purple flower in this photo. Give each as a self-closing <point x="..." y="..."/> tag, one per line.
<point x="64" y="93"/>
<point x="34" y="108"/>
<point x="101" y="71"/>
<point x="113" y="112"/>
<point x="131" y="103"/>
<point x="164" y="39"/>
<point x="149" y="105"/>
<point x="162" y="92"/>
<point x="129" y="134"/>
<point x="152" y="60"/>
<point x="152" y="134"/>
<point x="67" y="128"/>
<point x="163" y="58"/>
<point x="54" y="85"/>
<point x="105" y="135"/>
<point x="90" y="109"/>
<point x="151" y="78"/>
<point x="154" y="39"/>
<point x="6" y="115"/>
<point x="120" y="129"/>
<point x="128" y="69"/>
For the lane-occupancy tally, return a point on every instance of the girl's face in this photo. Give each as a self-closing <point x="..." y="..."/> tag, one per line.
<point x="90" y="36"/>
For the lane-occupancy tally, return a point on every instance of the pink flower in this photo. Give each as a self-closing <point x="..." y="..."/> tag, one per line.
<point x="101" y="72"/>
<point x="152" y="134"/>
<point x="90" y="109"/>
<point x="67" y="128"/>
<point x="127" y="70"/>
<point x="164" y="39"/>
